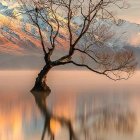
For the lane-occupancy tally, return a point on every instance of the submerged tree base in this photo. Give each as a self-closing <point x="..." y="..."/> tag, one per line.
<point x="40" y="88"/>
<point x="40" y="83"/>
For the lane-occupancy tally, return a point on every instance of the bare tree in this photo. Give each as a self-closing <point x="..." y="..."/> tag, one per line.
<point x="82" y="24"/>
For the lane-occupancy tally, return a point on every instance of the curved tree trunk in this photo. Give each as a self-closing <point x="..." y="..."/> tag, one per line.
<point x="40" y="83"/>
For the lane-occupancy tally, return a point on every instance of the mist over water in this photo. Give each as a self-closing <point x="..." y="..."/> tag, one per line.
<point x="98" y="108"/>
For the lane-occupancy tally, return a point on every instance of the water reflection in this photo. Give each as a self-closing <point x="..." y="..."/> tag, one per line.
<point x="51" y="121"/>
<point x="122" y="122"/>
<point x="90" y="124"/>
<point x="107" y="121"/>
<point x="79" y="112"/>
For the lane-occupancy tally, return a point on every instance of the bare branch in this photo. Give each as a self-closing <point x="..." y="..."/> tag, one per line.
<point x="89" y="37"/>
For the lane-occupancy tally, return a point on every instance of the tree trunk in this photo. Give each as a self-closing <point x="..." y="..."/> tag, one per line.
<point x="40" y="83"/>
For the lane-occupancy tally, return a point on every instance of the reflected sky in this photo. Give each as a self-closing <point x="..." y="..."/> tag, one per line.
<point x="96" y="107"/>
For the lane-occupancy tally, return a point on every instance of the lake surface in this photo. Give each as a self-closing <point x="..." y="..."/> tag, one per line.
<point x="81" y="106"/>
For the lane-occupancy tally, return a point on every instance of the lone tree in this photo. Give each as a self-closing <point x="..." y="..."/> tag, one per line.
<point x="83" y="26"/>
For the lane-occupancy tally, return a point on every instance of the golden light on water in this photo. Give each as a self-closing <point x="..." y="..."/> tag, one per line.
<point x="55" y="126"/>
<point x="19" y="114"/>
<point x="11" y="124"/>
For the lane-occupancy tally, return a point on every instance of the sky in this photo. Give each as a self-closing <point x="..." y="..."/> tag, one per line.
<point x="131" y="14"/>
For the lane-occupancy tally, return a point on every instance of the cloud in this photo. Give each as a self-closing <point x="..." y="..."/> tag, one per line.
<point x="132" y="13"/>
<point x="135" y="39"/>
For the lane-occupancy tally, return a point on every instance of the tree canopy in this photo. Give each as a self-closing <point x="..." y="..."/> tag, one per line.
<point x="86" y="32"/>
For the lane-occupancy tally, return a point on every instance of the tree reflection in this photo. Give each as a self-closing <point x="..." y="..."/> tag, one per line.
<point x="40" y="99"/>
<point x="121" y="121"/>
<point x="90" y="124"/>
<point x="109" y="120"/>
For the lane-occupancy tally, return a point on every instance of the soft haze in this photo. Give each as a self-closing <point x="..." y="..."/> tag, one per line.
<point x="131" y="14"/>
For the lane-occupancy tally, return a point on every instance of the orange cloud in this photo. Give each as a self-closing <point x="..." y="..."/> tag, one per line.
<point x="135" y="40"/>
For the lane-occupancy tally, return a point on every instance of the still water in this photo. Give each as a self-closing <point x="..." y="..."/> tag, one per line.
<point x="80" y="106"/>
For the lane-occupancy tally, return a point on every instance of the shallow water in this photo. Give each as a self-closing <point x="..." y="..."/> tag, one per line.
<point x="81" y="104"/>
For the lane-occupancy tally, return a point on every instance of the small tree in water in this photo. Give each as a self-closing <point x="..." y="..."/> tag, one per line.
<point x="81" y="27"/>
